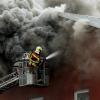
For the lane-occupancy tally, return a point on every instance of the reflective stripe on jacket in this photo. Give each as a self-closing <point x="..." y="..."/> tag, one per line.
<point x="34" y="59"/>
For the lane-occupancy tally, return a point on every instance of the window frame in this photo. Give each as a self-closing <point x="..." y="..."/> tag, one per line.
<point x="37" y="98"/>
<point x="80" y="91"/>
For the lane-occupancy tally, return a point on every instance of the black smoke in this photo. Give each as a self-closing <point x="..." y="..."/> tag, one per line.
<point x="25" y="24"/>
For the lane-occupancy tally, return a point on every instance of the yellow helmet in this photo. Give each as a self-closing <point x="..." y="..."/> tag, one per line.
<point x="38" y="49"/>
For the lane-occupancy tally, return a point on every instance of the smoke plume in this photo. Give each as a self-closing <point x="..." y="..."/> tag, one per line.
<point x="25" y="24"/>
<point x="84" y="41"/>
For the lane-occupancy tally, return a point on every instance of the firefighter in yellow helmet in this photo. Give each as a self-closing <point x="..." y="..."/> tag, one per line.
<point x="34" y="57"/>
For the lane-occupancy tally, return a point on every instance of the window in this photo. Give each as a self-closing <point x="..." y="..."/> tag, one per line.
<point x="37" y="98"/>
<point x="81" y="95"/>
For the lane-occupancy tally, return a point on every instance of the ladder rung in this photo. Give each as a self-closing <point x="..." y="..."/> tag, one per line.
<point x="7" y="80"/>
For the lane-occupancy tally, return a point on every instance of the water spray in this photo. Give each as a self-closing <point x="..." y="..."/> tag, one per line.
<point x="53" y="55"/>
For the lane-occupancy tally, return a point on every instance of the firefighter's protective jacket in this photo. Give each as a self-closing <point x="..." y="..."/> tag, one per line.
<point x="34" y="59"/>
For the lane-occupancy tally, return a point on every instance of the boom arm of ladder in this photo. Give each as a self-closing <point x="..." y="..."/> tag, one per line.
<point x="8" y="79"/>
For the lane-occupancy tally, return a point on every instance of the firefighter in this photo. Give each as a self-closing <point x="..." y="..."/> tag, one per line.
<point x="35" y="57"/>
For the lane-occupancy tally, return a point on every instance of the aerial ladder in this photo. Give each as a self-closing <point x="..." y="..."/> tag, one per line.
<point x="8" y="80"/>
<point x="22" y="76"/>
